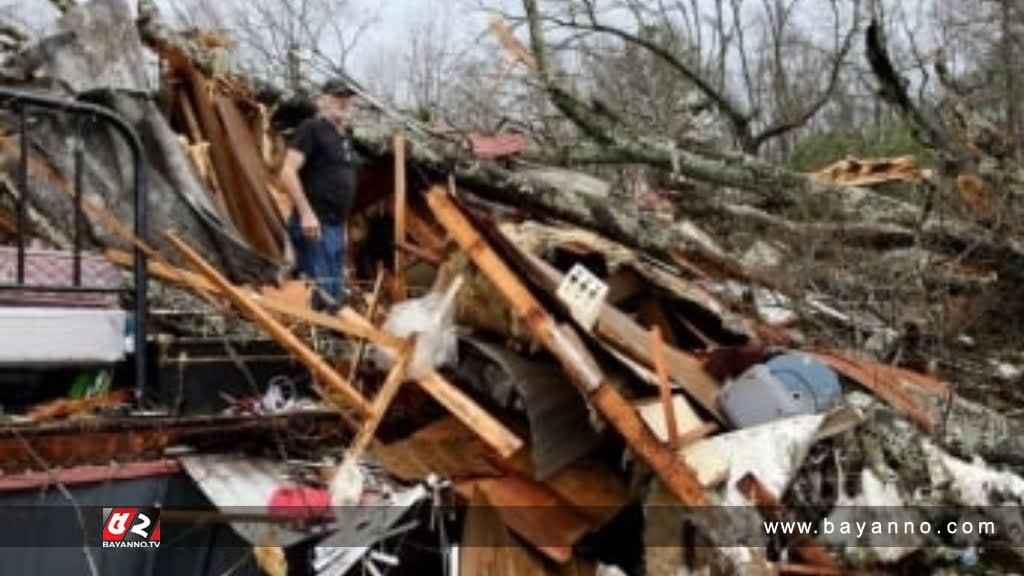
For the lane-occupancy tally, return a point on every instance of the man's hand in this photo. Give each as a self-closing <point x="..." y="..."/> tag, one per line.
<point x="310" y="225"/>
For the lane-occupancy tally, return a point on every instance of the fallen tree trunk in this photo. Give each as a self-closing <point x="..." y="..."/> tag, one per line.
<point x="580" y="199"/>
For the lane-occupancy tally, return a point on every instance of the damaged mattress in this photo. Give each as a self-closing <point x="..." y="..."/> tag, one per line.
<point x="60" y="336"/>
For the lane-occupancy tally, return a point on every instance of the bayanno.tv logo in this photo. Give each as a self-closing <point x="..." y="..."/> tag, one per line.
<point x="131" y="527"/>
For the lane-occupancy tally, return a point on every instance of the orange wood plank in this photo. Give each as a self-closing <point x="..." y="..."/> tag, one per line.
<point x="664" y="388"/>
<point x="275" y="329"/>
<point x="574" y="360"/>
<point x="381" y="403"/>
<point x="399" y="291"/>
<point x="882" y="384"/>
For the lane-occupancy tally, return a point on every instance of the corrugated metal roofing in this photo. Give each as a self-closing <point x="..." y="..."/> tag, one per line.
<point x="239" y="483"/>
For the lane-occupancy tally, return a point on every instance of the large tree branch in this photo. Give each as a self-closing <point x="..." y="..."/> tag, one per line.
<point x="738" y="118"/>
<point x="804" y="116"/>
<point x="573" y="108"/>
<point x="892" y="87"/>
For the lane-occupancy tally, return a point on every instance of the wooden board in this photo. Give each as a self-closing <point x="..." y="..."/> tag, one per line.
<point x="575" y="360"/>
<point x="253" y="172"/>
<point x="883" y="384"/>
<point x="619" y="331"/>
<point x="489" y="549"/>
<point x="534" y="512"/>
<point x="709" y="466"/>
<point x="321" y="369"/>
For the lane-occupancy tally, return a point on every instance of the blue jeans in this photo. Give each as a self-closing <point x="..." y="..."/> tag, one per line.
<point x="322" y="262"/>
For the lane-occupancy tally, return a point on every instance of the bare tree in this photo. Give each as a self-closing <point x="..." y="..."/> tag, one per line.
<point x="287" y="43"/>
<point x="761" y="86"/>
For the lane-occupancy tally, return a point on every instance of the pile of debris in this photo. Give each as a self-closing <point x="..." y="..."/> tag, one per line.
<point x="586" y="403"/>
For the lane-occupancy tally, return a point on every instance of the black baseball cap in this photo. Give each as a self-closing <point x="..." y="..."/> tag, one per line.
<point x="337" y="87"/>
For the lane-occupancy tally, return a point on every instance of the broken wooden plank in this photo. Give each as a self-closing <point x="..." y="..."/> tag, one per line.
<point x="188" y="113"/>
<point x="490" y="549"/>
<point x="255" y="177"/>
<point x="321" y="369"/>
<point x="534" y="512"/>
<point x="381" y="403"/>
<point x="772" y="509"/>
<point x="371" y="311"/>
<point x="398" y="290"/>
<point x="420" y="252"/>
<point x="446" y="447"/>
<point x="347" y="321"/>
<point x="710" y="467"/>
<point x="616" y="329"/>
<point x="651" y="312"/>
<point x="420" y="230"/>
<point x="64" y="407"/>
<point x="574" y="359"/>
<point x="883" y="385"/>
<point x="664" y="388"/>
<point x="493" y="432"/>
<point x="245" y="212"/>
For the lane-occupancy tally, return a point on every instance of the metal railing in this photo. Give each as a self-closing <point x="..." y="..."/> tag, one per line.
<point x="22" y="103"/>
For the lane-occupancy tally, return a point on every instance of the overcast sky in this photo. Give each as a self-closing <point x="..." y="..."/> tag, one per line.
<point x="385" y="38"/>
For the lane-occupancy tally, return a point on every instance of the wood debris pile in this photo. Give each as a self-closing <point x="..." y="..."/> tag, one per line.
<point x="562" y="416"/>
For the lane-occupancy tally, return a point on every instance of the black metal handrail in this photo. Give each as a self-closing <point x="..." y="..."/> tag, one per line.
<point x="23" y="102"/>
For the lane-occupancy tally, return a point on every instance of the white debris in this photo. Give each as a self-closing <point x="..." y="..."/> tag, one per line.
<point x="774" y="307"/>
<point x="973" y="482"/>
<point x="608" y="570"/>
<point x="347" y="484"/>
<point x="772" y="452"/>
<point x="966" y="341"/>
<point x="431" y="319"/>
<point x="877" y="502"/>
<point x="762" y="256"/>
<point x="1005" y="371"/>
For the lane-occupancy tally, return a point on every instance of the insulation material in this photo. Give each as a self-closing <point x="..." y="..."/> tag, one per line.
<point x="431" y="320"/>
<point x="771" y="452"/>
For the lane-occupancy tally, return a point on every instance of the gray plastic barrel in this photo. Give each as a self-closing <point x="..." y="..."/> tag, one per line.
<point x="788" y="385"/>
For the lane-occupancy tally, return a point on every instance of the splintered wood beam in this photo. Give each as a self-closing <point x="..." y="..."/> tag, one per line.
<point x="381" y="403"/>
<point x="424" y="254"/>
<point x="883" y="386"/>
<point x="575" y="359"/>
<point x="378" y="284"/>
<point x="487" y="427"/>
<point x="422" y="231"/>
<point x="398" y="290"/>
<point x="347" y="321"/>
<point x="620" y="333"/>
<point x="664" y="387"/>
<point x="289" y="341"/>
<point x="189" y="114"/>
<point x="772" y="509"/>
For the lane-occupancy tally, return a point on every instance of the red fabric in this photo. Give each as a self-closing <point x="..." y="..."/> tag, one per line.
<point x="498" y="145"/>
<point x="300" y="502"/>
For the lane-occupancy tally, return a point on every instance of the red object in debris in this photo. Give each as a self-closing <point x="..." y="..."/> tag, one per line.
<point x="498" y="145"/>
<point x="301" y="503"/>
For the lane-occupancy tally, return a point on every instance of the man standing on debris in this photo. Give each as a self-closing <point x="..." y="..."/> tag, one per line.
<point x="319" y="173"/>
